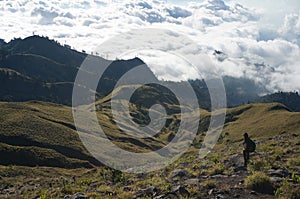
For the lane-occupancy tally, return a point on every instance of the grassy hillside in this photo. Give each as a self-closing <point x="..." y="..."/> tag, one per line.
<point x="261" y="121"/>
<point x="42" y="134"/>
<point x="49" y="129"/>
<point x="17" y="87"/>
<point x="39" y="133"/>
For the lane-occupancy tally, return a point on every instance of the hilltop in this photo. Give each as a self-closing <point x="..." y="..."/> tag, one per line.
<point x="42" y="69"/>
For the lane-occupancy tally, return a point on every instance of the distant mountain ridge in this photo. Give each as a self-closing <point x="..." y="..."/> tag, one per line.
<point x="50" y="69"/>
<point x="37" y="68"/>
<point x="289" y="99"/>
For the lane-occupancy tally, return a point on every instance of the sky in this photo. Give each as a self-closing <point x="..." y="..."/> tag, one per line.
<point x="258" y="39"/>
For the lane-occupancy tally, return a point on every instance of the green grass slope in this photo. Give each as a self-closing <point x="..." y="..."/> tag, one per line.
<point x="42" y="134"/>
<point x="261" y="121"/>
<point x="39" y="133"/>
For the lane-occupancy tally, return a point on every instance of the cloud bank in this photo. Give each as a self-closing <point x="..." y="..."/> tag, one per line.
<point x="247" y="45"/>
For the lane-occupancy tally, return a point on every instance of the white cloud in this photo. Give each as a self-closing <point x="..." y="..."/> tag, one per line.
<point x="291" y="28"/>
<point x="252" y="44"/>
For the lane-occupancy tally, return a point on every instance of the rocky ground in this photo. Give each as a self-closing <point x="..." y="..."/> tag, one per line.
<point x="274" y="172"/>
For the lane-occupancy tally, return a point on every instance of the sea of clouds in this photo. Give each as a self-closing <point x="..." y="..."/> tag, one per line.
<point x="250" y="46"/>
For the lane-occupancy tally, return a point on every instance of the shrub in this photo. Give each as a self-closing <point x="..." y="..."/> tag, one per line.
<point x="210" y="184"/>
<point x="117" y="176"/>
<point x="216" y="159"/>
<point x="216" y="169"/>
<point x="125" y="195"/>
<point x="296" y="178"/>
<point x="295" y="194"/>
<point x="259" y="182"/>
<point x="288" y="190"/>
<point x="85" y="182"/>
<point x="294" y="162"/>
<point x="258" y="165"/>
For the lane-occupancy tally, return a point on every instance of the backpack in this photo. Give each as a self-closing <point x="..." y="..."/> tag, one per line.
<point x="251" y="145"/>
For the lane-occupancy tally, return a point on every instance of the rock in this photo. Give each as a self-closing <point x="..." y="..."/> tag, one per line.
<point x="276" y="179"/>
<point x="278" y="173"/>
<point x="166" y="196"/>
<point x="221" y="192"/>
<point x="239" y="169"/>
<point x="237" y="196"/>
<point x="192" y="181"/>
<point x="149" y="191"/>
<point x="180" y="190"/>
<point x="253" y="193"/>
<point x="290" y="180"/>
<point x="79" y="196"/>
<point x="235" y="161"/>
<point x="90" y="188"/>
<point x="127" y="188"/>
<point x="67" y="197"/>
<point x="141" y="175"/>
<point x="220" y="196"/>
<point x="219" y="176"/>
<point x="181" y="173"/>
<point x="161" y="197"/>
<point x="204" y="177"/>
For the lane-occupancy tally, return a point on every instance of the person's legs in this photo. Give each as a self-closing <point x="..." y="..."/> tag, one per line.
<point x="246" y="157"/>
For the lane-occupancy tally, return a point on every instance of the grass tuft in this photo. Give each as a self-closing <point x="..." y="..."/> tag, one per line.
<point x="259" y="182"/>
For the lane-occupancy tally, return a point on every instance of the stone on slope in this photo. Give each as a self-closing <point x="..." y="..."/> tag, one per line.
<point x="180" y="173"/>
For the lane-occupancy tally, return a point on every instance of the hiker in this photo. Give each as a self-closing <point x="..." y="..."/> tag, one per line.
<point x="249" y="146"/>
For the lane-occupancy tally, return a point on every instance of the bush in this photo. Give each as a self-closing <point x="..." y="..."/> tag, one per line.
<point x="216" y="169"/>
<point x="125" y="195"/>
<point x="258" y="165"/>
<point x="210" y="184"/>
<point x="288" y="190"/>
<point x="294" y="162"/>
<point x="295" y="194"/>
<point x="259" y="182"/>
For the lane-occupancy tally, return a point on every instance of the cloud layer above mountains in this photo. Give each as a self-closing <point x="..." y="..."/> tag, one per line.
<point x="247" y="45"/>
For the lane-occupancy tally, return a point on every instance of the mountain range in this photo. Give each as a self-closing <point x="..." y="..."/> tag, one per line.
<point x="37" y="68"/>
